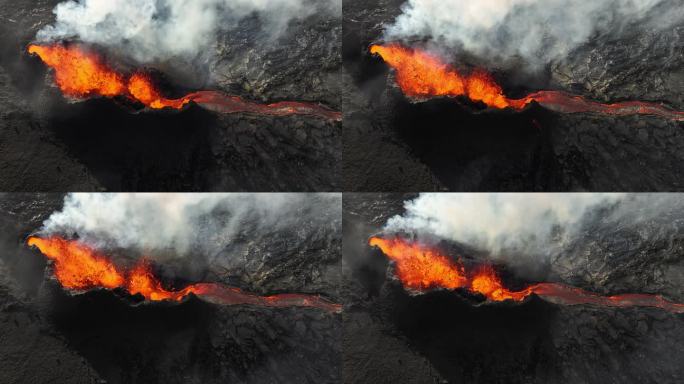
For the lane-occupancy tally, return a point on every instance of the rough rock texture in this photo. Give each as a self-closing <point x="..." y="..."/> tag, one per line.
<point x="451" y="336"/>
<point x="642" y="251"/>
<point x="48" y="143"/>
<point x="51" y="335"/>
<point x="394" y="144"/>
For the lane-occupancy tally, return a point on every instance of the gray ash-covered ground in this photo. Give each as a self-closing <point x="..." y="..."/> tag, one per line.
<point x="99" y="336"/>
<point x="444" y="336"/>
<point x="394" y="144"/>
<point x="48" y="143"/>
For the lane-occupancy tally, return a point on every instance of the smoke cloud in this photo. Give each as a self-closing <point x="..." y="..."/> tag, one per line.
<point x="149" y="30"/>
<point x="538" y="31"/>
<point x="501" y="224"/>
<point x="175" y="225"/>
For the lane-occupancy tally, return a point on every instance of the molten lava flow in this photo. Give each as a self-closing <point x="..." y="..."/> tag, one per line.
<point x="565" y="103"/>
<point x="222" y="103"/>
<point x="77" y="266"/>
<point x="486" y="282"/>
<point x="142" y="89"/>
<point x="79" y="73"/>
<point x="423" y="268"/>
<point x="421" y="74"/>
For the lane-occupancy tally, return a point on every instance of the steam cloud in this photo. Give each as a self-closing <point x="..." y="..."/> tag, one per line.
<point x="539" y="31"/>
<point x="174" y="225"/>
<point x="149" y="30"/>
<point x="502" y="224"/>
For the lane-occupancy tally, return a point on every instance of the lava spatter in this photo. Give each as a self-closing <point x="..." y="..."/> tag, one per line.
<point x="79" y="267"/>
<point x="81" y="73"/>
<point x="421" y="74"/>
<point x="416" y="266"/>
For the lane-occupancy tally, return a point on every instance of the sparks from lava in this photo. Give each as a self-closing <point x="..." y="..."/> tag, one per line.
<point x="79" y="267"/>
<point x="80" y="73"/>
<point x="423" y="268"/>
<point x="421" y="74"/>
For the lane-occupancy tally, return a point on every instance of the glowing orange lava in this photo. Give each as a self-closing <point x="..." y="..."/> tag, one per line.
<point x="80" y="267"/>
<point x="422" y="268"/>
<point x="80" y="73"/>
<point x="76" y="266"/>
<point x="421" y="74"/>
<point x="141" y="88"/>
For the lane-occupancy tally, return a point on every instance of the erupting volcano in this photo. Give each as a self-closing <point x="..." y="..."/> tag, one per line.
<point x="421" y="74"/>
<point x="424" y="268"/>
<point x="81" y="73"/>
<point x="79" y="267"/>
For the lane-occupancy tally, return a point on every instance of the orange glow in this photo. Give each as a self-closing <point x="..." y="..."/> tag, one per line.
<point x="414" y="269"/>
<point x="421" y="74"/>
<point x="142" y="89"/>
<point x="78" y="266"/>
<point x="486" y="282"/>
<point x="420" y="267"/>
<point x="79" y="73"/>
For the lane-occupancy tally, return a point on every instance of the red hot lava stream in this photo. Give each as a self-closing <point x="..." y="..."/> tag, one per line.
<point x="79" y="267"/>
<point x="421" y="74"/>
<point x="422" y="268"/>
<point x="80" y="73"/>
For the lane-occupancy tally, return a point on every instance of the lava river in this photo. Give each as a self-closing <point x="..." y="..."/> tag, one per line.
<point x="80" y="73"/>
<point x="420" y="74"/>
<point x="423" y="268"/>
<point x="79" y="267"/>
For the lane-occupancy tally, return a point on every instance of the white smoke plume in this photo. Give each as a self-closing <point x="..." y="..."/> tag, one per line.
<point x="176" y="225"/>
<point x="538" y="31"/>
<point x="502" y="224"/>
<point x="150" y="30"/>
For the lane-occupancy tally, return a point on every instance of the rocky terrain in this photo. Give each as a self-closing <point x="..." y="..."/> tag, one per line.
<point x="446" y="336"/>
<point x="48" y="143"/>
<point x="107" y="336"/>
<point x="394" y="144"/>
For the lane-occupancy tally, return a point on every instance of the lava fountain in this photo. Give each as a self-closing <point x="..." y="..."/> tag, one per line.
<point x="79" y="267"/>
<point x="80" y="73"/>
<point x="421" y="74"/>
<point x="423" y="268"/>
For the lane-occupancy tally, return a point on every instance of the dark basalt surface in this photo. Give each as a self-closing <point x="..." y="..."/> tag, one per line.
<point x="48" y="143"/>
<point x="50" y="335"/>
<point x="445" y="336"/>
<point x="392" y="143"/>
